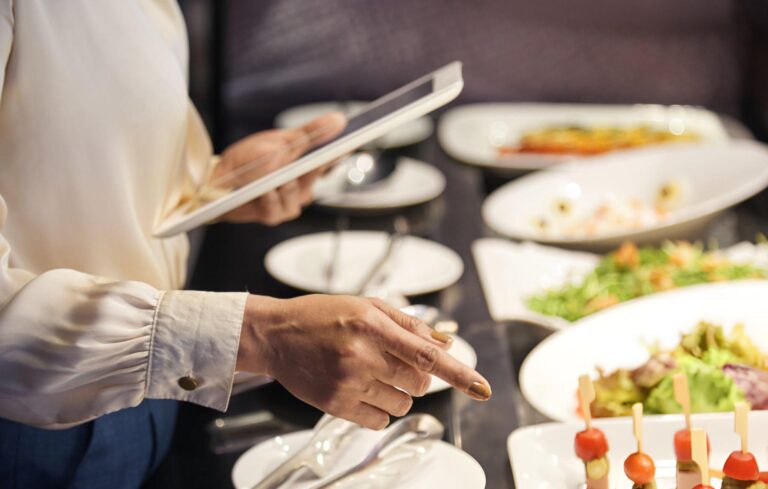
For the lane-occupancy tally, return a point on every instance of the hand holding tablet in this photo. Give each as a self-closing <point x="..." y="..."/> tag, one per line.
<point x="263" y="152"/>
<point x="229" y="191"/>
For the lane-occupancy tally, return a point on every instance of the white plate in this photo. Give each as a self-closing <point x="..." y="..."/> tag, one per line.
<point x="418" y="266"/>
<point x="711" y="178"/>
<point x="542" y="456"/>
<point x="512" y="272"/>
<point x="413" y="182"/>
<point x="442" y="465"/>
<point x="618" y="337"/>
<point x="461" y="351"/>
<point x="405" y="135"/>
<point x="472" y="133"/>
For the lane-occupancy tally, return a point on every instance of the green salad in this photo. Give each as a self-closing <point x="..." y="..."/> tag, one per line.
<point x="631" y="272"/>
<point x="721" y="369"/>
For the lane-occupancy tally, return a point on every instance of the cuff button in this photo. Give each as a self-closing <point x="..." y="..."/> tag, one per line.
<point x="188" y="383"/>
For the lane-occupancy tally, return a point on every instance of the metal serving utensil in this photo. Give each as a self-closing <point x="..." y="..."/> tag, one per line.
<point x="342" y="224"/>
<point x="401" y="229"/>
<point x="413" y="428"/>
<point x="330" y="437"/>
<point x="359" y="172"/>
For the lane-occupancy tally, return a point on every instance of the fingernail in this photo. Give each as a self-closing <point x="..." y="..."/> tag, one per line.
<point x="479" y="391"/>
<point x="441" y="337"/>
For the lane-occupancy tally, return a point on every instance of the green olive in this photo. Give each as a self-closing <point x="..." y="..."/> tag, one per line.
<point x="597" y="468"/>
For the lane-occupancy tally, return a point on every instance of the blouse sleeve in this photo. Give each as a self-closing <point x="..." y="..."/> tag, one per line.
<point x="74" y="346"/>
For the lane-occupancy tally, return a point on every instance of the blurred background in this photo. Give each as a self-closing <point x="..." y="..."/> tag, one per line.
<point x="251" y="60"/>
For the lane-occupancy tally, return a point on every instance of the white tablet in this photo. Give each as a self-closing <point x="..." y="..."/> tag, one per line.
<point x="371" y="122"/>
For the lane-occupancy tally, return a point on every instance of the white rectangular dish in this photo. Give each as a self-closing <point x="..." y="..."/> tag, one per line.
<point x="542" y="456"/>
<point x="512" y="272"/>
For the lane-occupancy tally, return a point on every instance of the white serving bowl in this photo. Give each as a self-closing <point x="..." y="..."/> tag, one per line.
<point x="619" y="337"/>
<point x="710" y="179"/>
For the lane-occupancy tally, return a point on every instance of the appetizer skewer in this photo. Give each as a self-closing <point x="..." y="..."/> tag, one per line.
<point x="700" y="456"/>
<point x="591" y="445"/>
<point x="687" y="473"/>
<point x="639" y="466"/>
<point x="740" y="469"/>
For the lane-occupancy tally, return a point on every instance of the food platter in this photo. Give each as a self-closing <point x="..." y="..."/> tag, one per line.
<point x="542" y="456"/>
<point x="583" y="205"/>
<point x="620" y="337"/>
<point x="474" y="133"/>
<point x="512" y="275"/>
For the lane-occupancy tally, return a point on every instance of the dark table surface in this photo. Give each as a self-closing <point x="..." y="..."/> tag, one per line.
<point x="231" y="259"/>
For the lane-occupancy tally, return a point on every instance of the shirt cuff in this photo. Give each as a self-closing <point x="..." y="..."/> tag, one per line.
<point x="194" y="347"/>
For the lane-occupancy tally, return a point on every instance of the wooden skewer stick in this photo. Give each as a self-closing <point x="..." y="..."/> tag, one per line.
<point x="740" y="424"/>
<point x="637" y="425"/>
<point x="683" y="396"/>
<point x="699" y="453"/>
<point x="586" y="396"/>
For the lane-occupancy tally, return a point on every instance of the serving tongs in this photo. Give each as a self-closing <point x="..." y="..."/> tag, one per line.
<point x="329" y="438"/>
<point x="416" y="428"/>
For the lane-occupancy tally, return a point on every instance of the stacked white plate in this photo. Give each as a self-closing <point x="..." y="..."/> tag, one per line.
<point x="417" y="266"/>
<point x="413" y="182"/>
<point x="437" y="464"/>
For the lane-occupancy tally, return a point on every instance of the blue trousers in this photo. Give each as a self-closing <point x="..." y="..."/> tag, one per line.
<point x="117" y="451"/>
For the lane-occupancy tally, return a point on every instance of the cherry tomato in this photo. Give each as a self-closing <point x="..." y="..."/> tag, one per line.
<point x="741" y="466"/>
<point x="640" y="468"/>
<point x="763" y="477"/>
<point x="590" y="444"/>
<point x="702" y="486"/>
<point x="683" y="445"/>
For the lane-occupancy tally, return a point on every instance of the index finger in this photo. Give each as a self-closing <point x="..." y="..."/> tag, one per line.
<point x="317" y="131"/>
<point x="431" y="359"/>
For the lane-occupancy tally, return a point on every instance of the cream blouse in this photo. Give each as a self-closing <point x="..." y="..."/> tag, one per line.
<point x="97" y="137"/>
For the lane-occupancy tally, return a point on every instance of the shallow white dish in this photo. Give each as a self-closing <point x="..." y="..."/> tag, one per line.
<point x="473" y="133"/>
<point x="441" y="465"/>
<point x="618" y="337"/>
<point x="542" y="456"/>
<point x="418" y="266"/>
<point x="709" y="179"/>
<point x="413" y="182"/>
<point x="512" y="272"/>
<point x="410" y="133"/>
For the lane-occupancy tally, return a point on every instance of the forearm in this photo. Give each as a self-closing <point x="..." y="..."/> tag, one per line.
<point x="74" y="347"/>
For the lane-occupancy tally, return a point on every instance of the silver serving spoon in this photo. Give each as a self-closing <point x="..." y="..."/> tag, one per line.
<point x="359" y="172"/>
<point x="414" y="428"/>
<point x="378" y="274"/>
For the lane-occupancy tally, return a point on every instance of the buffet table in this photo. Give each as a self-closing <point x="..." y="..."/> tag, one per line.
<point x="231" y="260"/>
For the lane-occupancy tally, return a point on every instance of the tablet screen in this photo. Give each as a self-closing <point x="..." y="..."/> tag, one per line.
<point x="380" y="108"/>
<point x="357" y="119"/>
